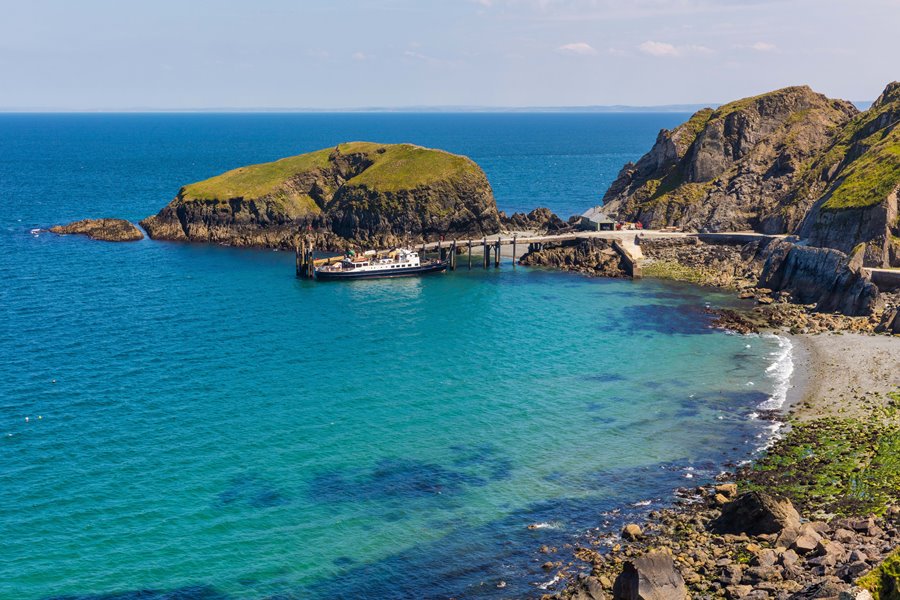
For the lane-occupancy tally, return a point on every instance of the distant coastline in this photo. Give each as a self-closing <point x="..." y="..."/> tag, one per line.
<point x="612" y="108"/>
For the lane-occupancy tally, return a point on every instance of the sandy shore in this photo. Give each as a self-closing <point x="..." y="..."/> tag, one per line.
<point x="845" y="375"/>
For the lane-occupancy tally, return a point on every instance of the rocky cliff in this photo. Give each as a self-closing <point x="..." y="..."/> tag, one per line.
<point x="854" y="186"/>
<point x="360" y="192"/>
<point x="790" y="161"/>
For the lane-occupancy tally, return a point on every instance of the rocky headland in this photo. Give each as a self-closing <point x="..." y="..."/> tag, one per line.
<point x="362" y="193"/>
<point x="107" y="230"/>
<point x="787" y="162"/>
<point x="816" y="514"/>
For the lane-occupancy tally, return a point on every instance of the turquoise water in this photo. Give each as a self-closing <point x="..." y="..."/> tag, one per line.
<point x="186" y="421"/>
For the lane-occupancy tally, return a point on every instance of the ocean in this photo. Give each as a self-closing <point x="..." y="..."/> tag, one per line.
<point x="190" y="421"/>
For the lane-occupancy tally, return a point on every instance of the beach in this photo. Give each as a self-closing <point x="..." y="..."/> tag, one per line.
<point x="842" y="375"/>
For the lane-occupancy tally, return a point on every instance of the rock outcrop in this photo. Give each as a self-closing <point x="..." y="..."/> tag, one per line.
<point x="790" y="161"/>
<point x="590" y="256"/>
<point x="360" y="192"/>
<point x="825" y="277"/>
<point x="107" y="230"/>
<point x="541" y="219"/>
<point x="733" y="168"/>
<point x="855" y="184"/>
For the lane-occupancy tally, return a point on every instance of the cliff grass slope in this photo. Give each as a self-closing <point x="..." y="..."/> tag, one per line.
<point x="789" y="161"/>
<point x="358" y="192"/>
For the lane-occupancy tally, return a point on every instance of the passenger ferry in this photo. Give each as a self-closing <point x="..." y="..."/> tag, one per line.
<point x="397" y="263"/>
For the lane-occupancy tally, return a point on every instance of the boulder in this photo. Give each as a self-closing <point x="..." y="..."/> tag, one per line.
<point x="588" y="588"/>
<point x="650" y="577"/>
<point x="632" y="532"/>
<point x="756" y="513"/>
<point x="729" y="490"/>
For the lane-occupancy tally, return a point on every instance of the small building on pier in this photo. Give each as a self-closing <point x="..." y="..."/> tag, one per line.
<point x="595" y="219"/>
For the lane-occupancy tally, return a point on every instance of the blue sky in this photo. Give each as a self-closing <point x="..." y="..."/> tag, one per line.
<point x="188" y="54"/>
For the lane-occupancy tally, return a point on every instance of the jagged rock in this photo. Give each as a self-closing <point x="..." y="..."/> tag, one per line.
<point x="820" y="276"/>
<point x="588" y="588"/>
<point x="592" y="256"/>
<point x="732" y="168"/>
<point x="107" y="230"/>
<point x="755" y="513"/>
<point x="650" y="577"/>
<point x="540" y="219"/>
<point x="361" y="193"/>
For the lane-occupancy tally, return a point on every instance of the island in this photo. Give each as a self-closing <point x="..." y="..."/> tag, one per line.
<point x="358" y="193"/>
<point x="107" y="230"/>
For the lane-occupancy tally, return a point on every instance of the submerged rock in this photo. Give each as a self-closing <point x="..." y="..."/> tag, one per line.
<point x="107" y="230"/>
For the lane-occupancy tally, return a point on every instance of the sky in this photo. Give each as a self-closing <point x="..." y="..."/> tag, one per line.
<point x="334" y="54"/>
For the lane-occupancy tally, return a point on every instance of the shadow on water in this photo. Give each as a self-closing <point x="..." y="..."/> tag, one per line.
<point x="403" y="479"/>
<point x="470" y="561"/>
<point x="666" y="319"/>
<point x="253" y="491"/>
<point x="194" y="592"/>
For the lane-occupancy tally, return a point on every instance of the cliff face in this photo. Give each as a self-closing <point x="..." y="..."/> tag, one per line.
<point x="855" y="186"/>
<point x="359" y="192"/>
<point x="825" y="277"/>
<point x="733" y="168"/>
<point x="790" y="161"/>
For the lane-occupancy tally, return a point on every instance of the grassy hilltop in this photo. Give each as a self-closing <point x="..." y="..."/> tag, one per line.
<point x="359" y="191"/>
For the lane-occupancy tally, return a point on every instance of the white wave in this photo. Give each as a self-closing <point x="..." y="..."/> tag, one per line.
<point x="550" y="583"/>
<point x="553" y="525"/>
<point x="780" y="371"/>
<point x="642" y="503"/>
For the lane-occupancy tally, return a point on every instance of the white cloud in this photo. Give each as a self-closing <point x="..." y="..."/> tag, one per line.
<point x="764" y="47"/>
<point x="666" y="50"/>
<point x="580" y="48"/>
<point x="658" y="49"/>
<point x="360" y="56"/>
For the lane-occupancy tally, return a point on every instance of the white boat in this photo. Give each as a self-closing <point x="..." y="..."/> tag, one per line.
<point x="397" y="263"/>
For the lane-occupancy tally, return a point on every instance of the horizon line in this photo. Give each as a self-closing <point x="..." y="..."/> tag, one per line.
<point x="424" y="109"/>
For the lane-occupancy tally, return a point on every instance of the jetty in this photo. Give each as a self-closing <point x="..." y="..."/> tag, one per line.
<point x="488" y="252"/>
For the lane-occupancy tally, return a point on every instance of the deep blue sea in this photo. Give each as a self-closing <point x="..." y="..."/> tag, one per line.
<point x="189" y="421"/>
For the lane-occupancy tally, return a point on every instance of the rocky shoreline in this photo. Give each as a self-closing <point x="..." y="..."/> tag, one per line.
<point x="796" y="289"/>
<point x="817" y="515"/>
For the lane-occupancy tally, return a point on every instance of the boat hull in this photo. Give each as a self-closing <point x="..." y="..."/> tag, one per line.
<point x="382" y="274"/>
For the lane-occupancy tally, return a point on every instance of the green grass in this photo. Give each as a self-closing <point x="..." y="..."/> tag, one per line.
<point x="869" y="179"/>
<point x="690" y="129"/>
<point x="393" y="167"/>
<point x="404" y="166"/>
<point x="744" y="103"/>
<point x="840" y="466"/>
<point x="884" y="581"/>
<point x="255" y="181"/>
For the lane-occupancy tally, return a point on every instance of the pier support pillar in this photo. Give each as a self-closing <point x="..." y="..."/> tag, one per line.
<point x="470" y="255"/>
